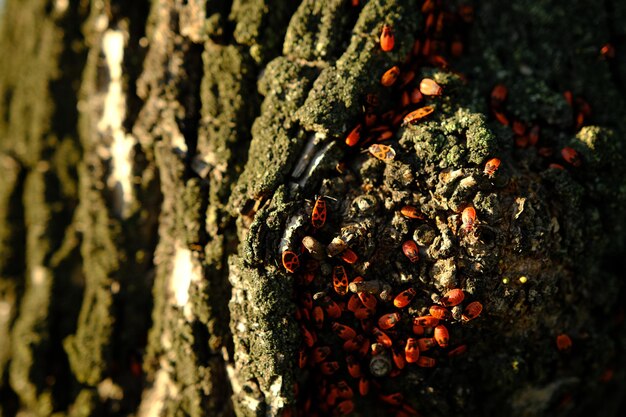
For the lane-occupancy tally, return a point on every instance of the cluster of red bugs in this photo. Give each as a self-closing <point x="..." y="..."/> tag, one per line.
<point x="526" y="136"/>
<point x="377" y="336"/>
<point x="357" y="333"/>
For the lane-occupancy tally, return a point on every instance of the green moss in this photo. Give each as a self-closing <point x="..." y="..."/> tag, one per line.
<point x="277" y="137"/>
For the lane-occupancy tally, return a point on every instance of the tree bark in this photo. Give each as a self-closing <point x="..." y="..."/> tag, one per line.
<point x="157" y="160"/>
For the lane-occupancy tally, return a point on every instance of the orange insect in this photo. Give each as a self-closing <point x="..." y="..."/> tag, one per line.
<point x="416" y="97"/>
<point x="607" y="51"/>
<point x="354" y="303"/>
<point x="318" y="317"/>
<point x="387" y="39"/>
<point x="571" y="156"/>
<point x="393" y="399"/>
<point x="491" y="167"/>
<point x="302" y="358"/>
<point x="472" y="311"/>
<point x="533" y="135"/>
<point x="469" y="218"/>
<point x="364" y="386"/>
<point x="363" y="313"/>
<point x="354" y="136"/>
<point x="354" y="369"/>
<point x="418" y="114"/>
<point x="309" y="337"/>
<point x="426" y="343"/>
<point x="344" y="391"/>
<point x="348" y="256"/>
<point x="382" y="152"/>
<point x="368" y="300"/>
<point x="452" y="298"/>
<point x="498" y="95"/>
<point x="418" y="329"/>
<point x="404" y="298"/>
<point x="426" y="362"/>
<point x="457" y="351"/>
<point x="387" y="321"/>
<point x="412" y="212"/>
<point x="411" y="250"/>
<point x="411" y="350"/>
<point x="329" y="368"/>
<point x="343" y="331"/>
<point x="556" y="166"/>
<point x="398" y="359"/>
<point x="441" y="335"/>
<point x="381" y="337"/>
<point x="291" y="262"/>
<point x="441" y="313"/>
<point x="331" y="308"/>
<point x="501" y="117"/>
<point x="320" y="354"/>
<point x="353" y="344"/>
<point x="340" y="280"/>
<point x="429" y="87"/>
<point x="426" y="321"/>
<point x="390" y="76"/>
<point x="563" y="342"/>
<point x="318" y="215"/>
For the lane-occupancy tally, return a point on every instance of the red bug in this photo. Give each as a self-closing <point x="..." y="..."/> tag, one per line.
<point x="291" y="262"/>
<point x="354" y="303"/>
<point x="381" y="337"/>
<point x="344" y="390"/>
<point x="329" y="368"/>
<point x="309" y="337"/>
<point x="469" y="218"/>
<point x="382" y="152"/>
<point x="441" y="335"/>
<point x="368" y="300"/>
<point x="457" y="351"/>
<point x="416" y="97"/>
<point x="411" y="250"/>
<point x="302" y="358"/>
<point x="330" y="307"/>
<point x="354" y="136"/>
<point x="320" y="354"/>
<point x="563" y="342"/>
<point x="343" y="331"/>
<point x="363" y="313"/>
<point x="472" y="311"/>
<point x="491" y="167"/>
<point x="387" y="39"/>
<point x="354" y="368"/>
<point x="501" y="117"/>
<point x="429" y="87"/>
<point x="393" y="399"/>
<point x="348" y="256"/>
<point x="340" y="280"/>
<point x="353" y="344"/>
<point x="607" y="51"/>
<point x="452" y="298"/>
<point x="418" y="114"/>
<point x="364" y="386"/>
<point x="556" y="166"/>
<point x="426" y="362"/>
<point x="426" y="321"/>
<point x="398" y="359"/>
<point x="318" y="317"/>
<point x="498" y="95"/>
<point x="441" y="313"/>
<point x="390" y="76"/>
<point x="411" y="212"/>
<point x="533" y="135"/>
<point x="404" y="298"/>
<point x="418" y="329"/>
<point x="571" y="156"/>
<point x="426" y="343"/>
<point x="411" y="350"/>
<point x="387" y="321"/>
<point x="318" y="215"/>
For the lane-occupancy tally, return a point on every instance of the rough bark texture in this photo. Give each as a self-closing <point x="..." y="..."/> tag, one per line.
<point x="157" y="160"/>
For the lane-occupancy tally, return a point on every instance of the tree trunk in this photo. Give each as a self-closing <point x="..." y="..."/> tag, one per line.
<point x="159" y="159"/>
